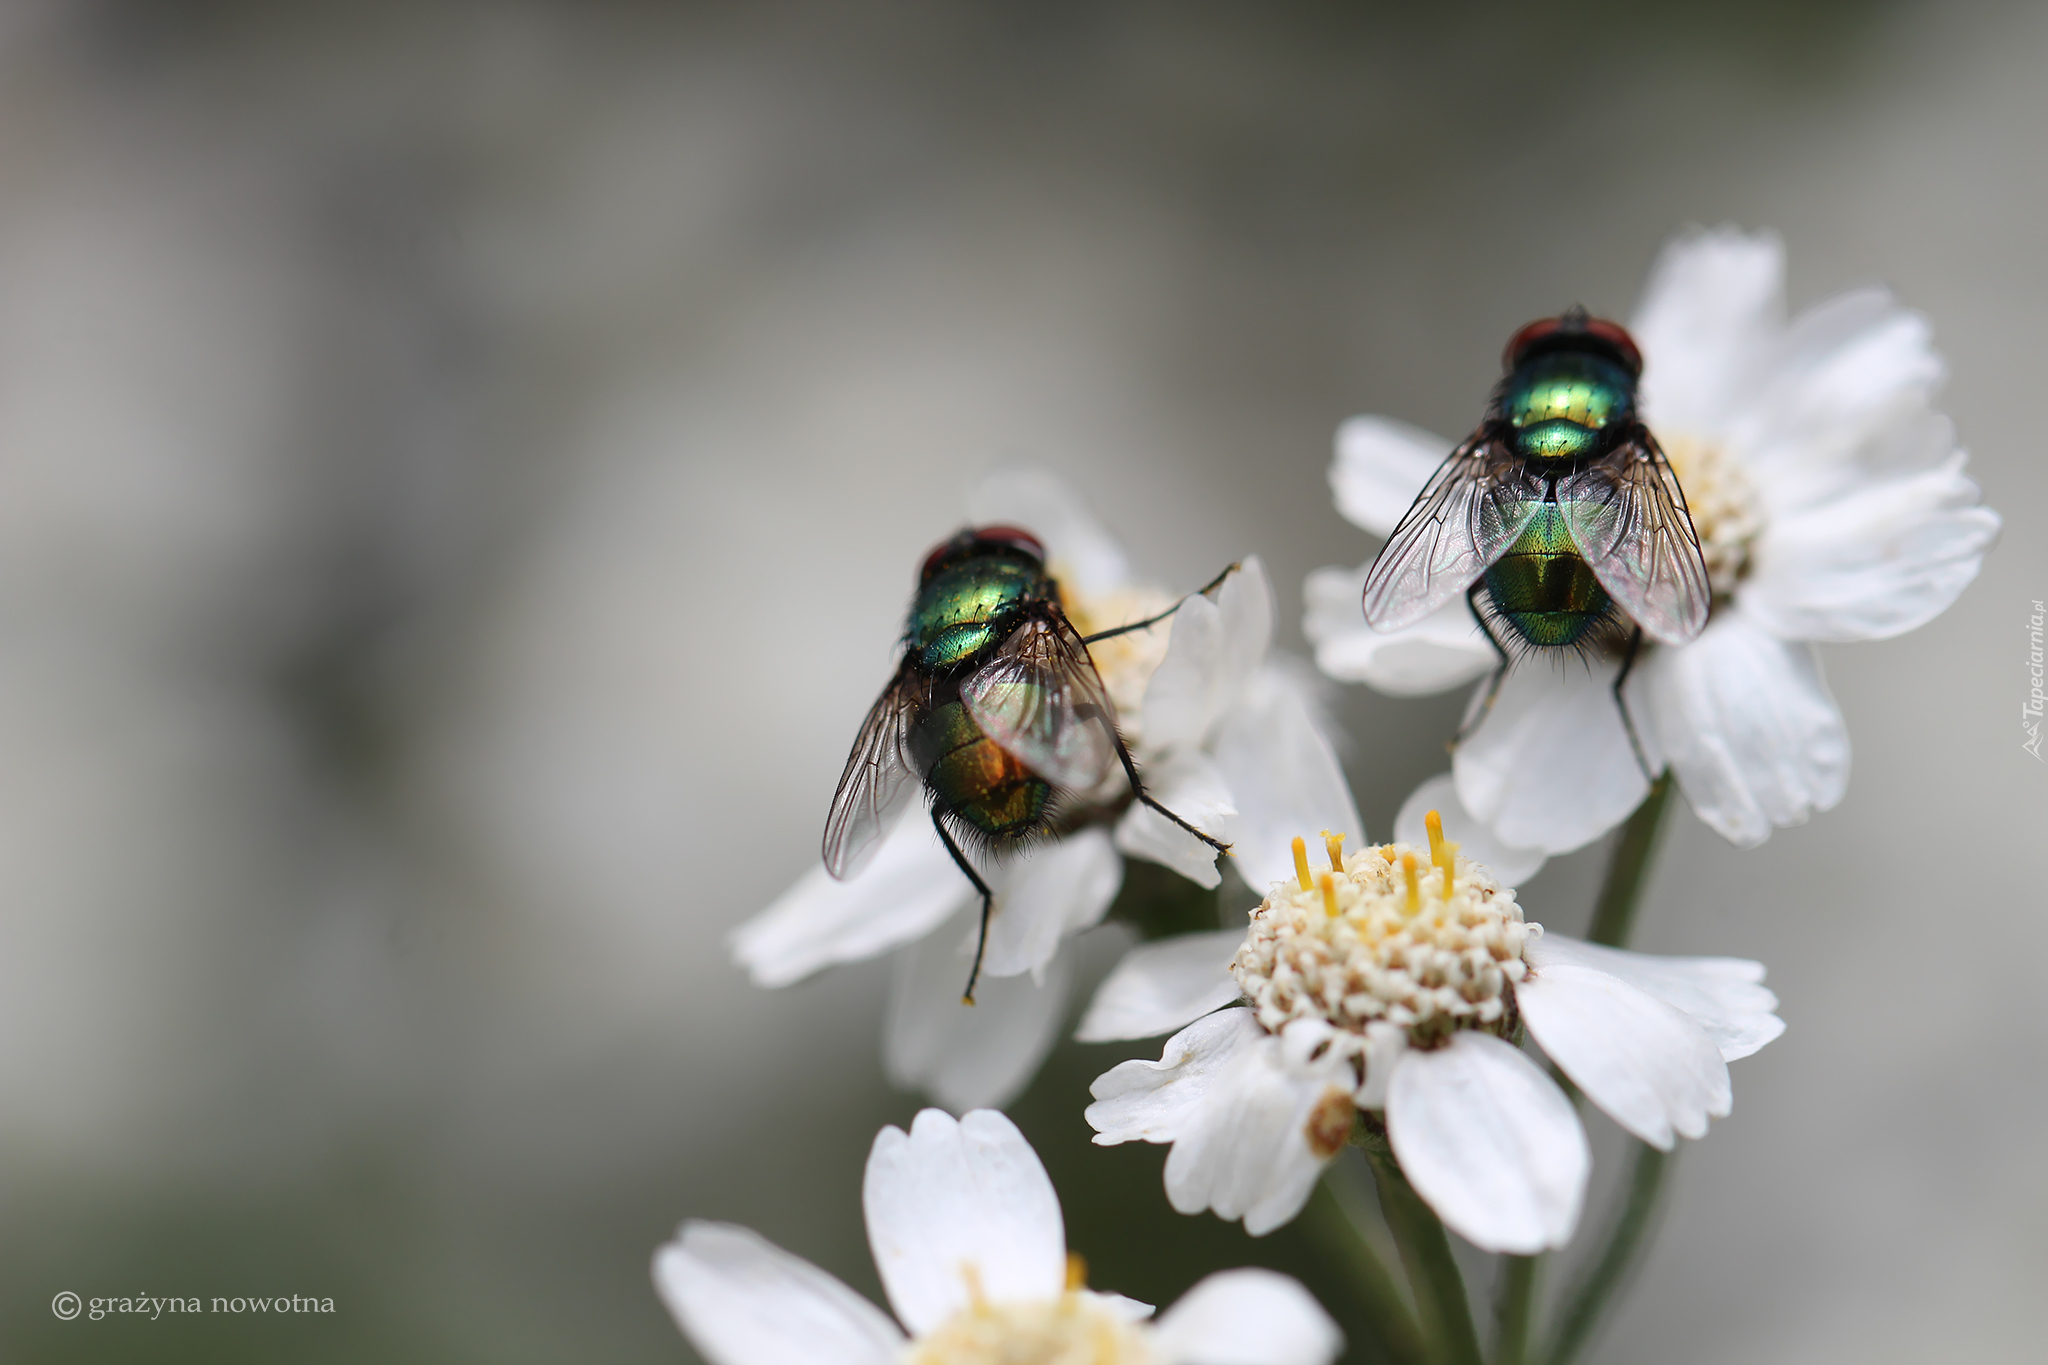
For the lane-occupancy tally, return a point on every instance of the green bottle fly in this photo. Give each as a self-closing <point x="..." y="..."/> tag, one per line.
<point x="1559" y="519"/>
<point x="996" y="711"/>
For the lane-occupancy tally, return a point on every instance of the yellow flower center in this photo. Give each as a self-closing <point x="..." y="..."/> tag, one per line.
<point x="1073" y="1329"/>
<point x="1419" y="938"/>
<point x="1725" y="511"/>
<point x="1126" y="662"/>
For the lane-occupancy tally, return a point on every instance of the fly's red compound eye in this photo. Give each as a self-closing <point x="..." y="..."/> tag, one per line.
<point x="945" y="552"/>
<point x="1612" y="335"/>
<point x="1521" y="341"/>
<point x="1014" y="537"/>
<point x="1615" y="335"/>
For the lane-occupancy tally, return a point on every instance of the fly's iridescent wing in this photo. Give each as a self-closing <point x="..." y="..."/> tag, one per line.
<point x="1468" y="514"/>
<point x="1040" y="698"/>
<point x="876" y="782"/>
<point x="1627" y="515"/>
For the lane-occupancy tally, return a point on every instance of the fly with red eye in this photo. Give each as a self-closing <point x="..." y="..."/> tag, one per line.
<point x="997" y="711"/>
<point x="1559" y="519"/>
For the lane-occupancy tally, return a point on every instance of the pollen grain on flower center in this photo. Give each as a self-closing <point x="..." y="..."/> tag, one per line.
<point x="1726" y="513"/>
<point x="1076" y="1328"/>
<point x="1397" y="948"/>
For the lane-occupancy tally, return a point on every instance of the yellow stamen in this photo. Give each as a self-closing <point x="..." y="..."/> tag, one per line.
<point x="1301" y="861"/>
<point x="1334" y="845"/>
<point x="1450" y="866"/>
<point x="1329" y="895"/>
<point x="1414" y="881"/>
<point x="1436" y="837"/>
<point x="1387" y="852"/>
<point x="971" y="1273"/>
<point x="1077" y="1271"/>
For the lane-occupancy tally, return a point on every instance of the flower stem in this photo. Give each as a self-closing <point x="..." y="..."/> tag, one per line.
<point x="1426" y="1256"/>
<point x="1629" y="870"/>
<point x="1337" y="1217"/>
<point x="1514" y="1304"/>
<point x="1589" y="1298"/>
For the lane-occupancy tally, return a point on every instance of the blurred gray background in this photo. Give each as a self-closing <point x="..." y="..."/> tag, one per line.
<point x="461" y="467"/>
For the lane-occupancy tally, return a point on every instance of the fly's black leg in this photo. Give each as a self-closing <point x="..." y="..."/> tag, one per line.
<point x="1138" y="790"/>
<point x="1628" y="723"/>
<point x="988" y="900"/>
<point x="1500" y="672"/>
<point x="1149" y="621"/>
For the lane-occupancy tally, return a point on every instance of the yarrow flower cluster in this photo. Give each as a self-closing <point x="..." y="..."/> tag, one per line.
<point x="1393" y="982"/>
<point x="1393" y="997"/>
<point x="969" y="1242"/>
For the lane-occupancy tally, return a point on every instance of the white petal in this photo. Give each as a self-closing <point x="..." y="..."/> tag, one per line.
<point x="1141" y="1101"/>
<point x="1440" y="651"/>
<point x="1747" y="723"/>
<point x="1551" y="767"/>
<point x="1048" y="893"/>
<point x="1381" y="465"/>
<point x="1512" y="865"/>
<point x="950" y="1195"/>
<point x="1039" y="501"/>
<point x="961" y="1055"/>
<point x="742" y="1300"/>
<point x="1384" y="1045"/>
<point x="1887" y="557"/>
<point x="1723" y="995"/>
<point x="1490" y="1143"/>
<point x="1714" y="302"/>
<point x="1190" y="785"/>
<point x="1830" y="395"/>
<point x="1159" y="987"/>
<point x="1283" y="776"/>
<point x="1649" y="1066"/>
<point x="1243" y="1150"/>
<point x="1215" y="648"/>
<point x="1119" y="1306"/>
<point x="909" y="888"/>
<point x="1247" y="1317"/>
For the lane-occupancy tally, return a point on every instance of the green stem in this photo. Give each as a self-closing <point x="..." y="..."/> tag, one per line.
<point x="1589" y="1298"/>
<point x="1336" y="1217"/>
<point x="1514" y="1303"/>
<point x="1628" y="871"/>
<point x="1426" y="1255"/>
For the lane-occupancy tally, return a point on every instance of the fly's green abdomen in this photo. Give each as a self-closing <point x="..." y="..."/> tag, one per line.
<point x="966" y="608"/>
<point x="1541" y="587"/>
<point x="1561" y="405"/>
<point x="973" y="777"/>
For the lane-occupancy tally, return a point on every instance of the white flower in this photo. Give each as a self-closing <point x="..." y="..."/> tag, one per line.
<point x="1830" y="501"/>
<point x="1225" y="737"/>
<point x="968" y="1239"/>
<point x="1373" y="989"/>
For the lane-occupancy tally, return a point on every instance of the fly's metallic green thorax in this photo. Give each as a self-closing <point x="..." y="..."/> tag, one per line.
<point x="1543" y="590"/>
<point x="1566" y="404"/>
<point x="968" y="606"/>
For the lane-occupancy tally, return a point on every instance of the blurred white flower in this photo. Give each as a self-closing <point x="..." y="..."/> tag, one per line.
<point x="1225" y="736"/>
<point x="1395" y="985"/>
<point x="1830" y="501"/>
<point x="968" y="1239"/>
